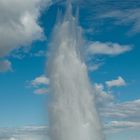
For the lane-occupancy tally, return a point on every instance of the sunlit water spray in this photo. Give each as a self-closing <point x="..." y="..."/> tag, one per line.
<point x="72" y="113"/>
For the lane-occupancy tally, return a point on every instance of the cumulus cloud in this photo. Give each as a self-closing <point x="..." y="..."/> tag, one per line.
<point x="125" y="17"/>
<point x="103" y="98"/>
<point x="41" y="80"/>
<point x="116" y="83"/>
<point x="19" y="24"/>
<point x="5" y="65"/>
<point x="40" y="84"/>
<point x="108" y="48"/>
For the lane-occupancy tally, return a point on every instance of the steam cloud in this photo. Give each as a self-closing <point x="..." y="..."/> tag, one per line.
<point x="72" y="114"/>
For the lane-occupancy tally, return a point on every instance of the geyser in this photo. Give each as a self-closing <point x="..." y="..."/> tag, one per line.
<point x="72" y="111"/>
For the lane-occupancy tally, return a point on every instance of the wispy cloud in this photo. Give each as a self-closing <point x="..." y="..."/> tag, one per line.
<point x="94" y="67"/>
<point x="116" y="116"/>
<point x="107" y="48"/>
<point x="39" y="53"/>
<point x="97" y="49"/>
<point x="125" y="17"/>
<point x="117" y="126"/>
<point x="41" y="91"/>
<point x="126" y="111"/>
<point x="5" y="65"/>
<point x="24" y="133"/>
<point x="116" y="82"/>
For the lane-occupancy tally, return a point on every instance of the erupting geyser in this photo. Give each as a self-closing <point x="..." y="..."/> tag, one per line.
<point x="72" y="112"/>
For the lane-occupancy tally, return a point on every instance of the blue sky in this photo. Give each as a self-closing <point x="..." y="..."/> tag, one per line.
<point x="112" y="53"/>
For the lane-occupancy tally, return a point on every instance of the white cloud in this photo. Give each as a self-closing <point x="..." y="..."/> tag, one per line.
<point x="103" y="98"/>
<point x="5" y="65"/>
<point x="39" y="53"/>
<point x="40" y="84"/>
<point x="97" y="49"/>
<point x="108" y="48"/>
<point x="116" y="126"/>
<point x="124" y="124"/>
<point x="94" y="67"/>
<point x="41" y="80"/>
<point x="41" y="91"/>
<point x="125" y="111"/>
<point x="125" y="17"/>
<point x="116" y="116"/>
<point x="116" y="83"/>
<point x="33" y="128"/>
<point x="24" y="133"/>
<point x="12" y="138"/>
<point x="19" y="24"/>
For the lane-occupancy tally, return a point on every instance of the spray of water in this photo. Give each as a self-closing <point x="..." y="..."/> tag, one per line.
<point x="72" y="113"/>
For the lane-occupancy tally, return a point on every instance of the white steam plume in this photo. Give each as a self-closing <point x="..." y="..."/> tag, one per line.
<point x="72" y="112"/>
